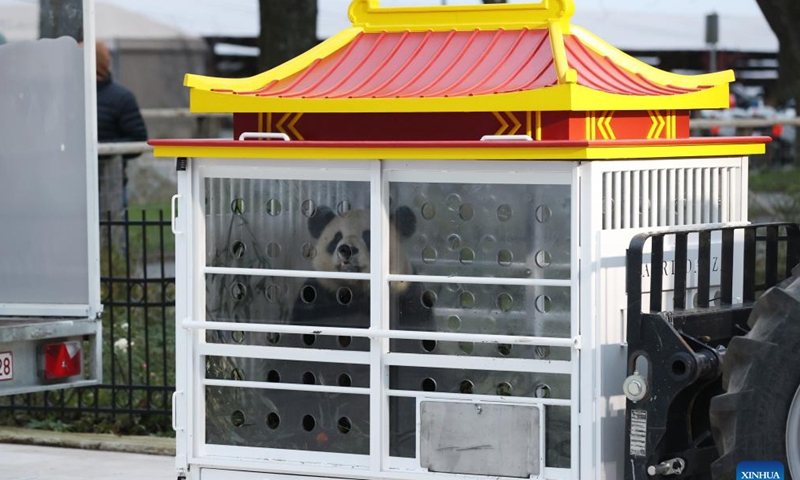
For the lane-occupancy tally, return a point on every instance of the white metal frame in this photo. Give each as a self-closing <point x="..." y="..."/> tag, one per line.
<point x="190" y="310"/>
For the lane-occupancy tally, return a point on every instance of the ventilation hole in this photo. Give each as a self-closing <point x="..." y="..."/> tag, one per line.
<point x="544" y="214"/>
<point x="429" y="385"/>
<point x="542" y="391"/>
<point x="238" y="291"/>
<point x="344" y="296"/>
<point x="679" y="368"/>
<point x="309" y="251"/>
<point x="345" y="252"/>
<point x="466" y="300"/>
<point x="345" y="342"/>
<point x="344" y="425"/>
<point x="237" y="418"/>
<point x="429" y="255"/>
<point x="273" y="338"/>
<point x="344" y="208"/>
<point x="453" y="201"/>
<point x="428" y="211"/>
<point x="466" y="212"/>
<point x="309" y="423"/>
<point x="273" y="250"/>
<point x="272" y="292"/>
<point x="309" y="378"/>
<point x="237" y="206"/>
<point x="489" y="325"/>
<point x="273" y="421"/>
<point x="466" y="386"/>
<point x="309" y="339"/>
<point x="274" y="207"/>
<point x="308" y="294"/>
<point x="429" y="345"/>
<point x="454" y="323"/>
<point x="544" y="259"/>
<point x="543" y="304"/>
<point x="542" y="352"/>
<point x="237" y="337"/>
<point x="238" y="249"/>
<point x="504" y="302"/>
<point x="466" y="256"/>
<point x="309" y="208"/>
<point x="428" y="299"/>
<point x="274" y="376"/>
<point x="504" y="389"/>
<point x="454" y="241"/>
<point x="504" y="213"/>
<point x="505" y="258"/>
<point x="345" y="380"/>
<point x="466" y="347"/>
<point x="237" y="374"/>
<point x="505" y="349"/>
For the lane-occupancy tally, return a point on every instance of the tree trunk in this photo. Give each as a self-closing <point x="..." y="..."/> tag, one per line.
<point x="287" y="30"/>
<point x="59" y="18"/>
<point x="784" y="16"/>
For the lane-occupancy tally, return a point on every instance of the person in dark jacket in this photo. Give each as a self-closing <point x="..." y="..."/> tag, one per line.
<point x="118" y="115"/>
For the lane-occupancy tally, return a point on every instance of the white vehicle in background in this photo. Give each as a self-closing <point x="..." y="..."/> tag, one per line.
<point x="50" y="328"/>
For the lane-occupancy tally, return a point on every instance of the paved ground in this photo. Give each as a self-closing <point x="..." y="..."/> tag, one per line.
<point x="25" y="462"/>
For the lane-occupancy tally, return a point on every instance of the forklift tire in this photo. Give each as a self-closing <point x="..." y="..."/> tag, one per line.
<point x="761" y="375"/>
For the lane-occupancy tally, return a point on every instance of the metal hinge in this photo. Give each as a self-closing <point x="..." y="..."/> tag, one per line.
<point x="181" y="164"/>
<point x="577" y="342"/>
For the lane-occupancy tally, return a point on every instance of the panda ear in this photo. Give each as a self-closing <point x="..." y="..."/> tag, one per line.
<point x="405" y="221"/>
<point x="320" y="220"/>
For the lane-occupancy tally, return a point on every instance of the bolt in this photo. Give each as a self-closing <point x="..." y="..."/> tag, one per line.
<point x="635" y="388"/>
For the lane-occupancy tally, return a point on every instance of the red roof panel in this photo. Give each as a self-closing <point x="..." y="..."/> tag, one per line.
<point x="454" y="64"/>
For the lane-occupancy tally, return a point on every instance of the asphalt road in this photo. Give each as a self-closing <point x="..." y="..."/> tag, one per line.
<point x="23" y="462"/>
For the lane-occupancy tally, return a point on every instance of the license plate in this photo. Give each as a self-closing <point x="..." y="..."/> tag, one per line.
<point x="6" y="366"/>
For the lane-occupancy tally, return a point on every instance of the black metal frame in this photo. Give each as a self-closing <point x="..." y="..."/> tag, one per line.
<point x="684" y="348"/>
<point x="138" y="299"/>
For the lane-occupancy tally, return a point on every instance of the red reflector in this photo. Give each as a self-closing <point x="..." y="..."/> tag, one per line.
<point x="62" y="360"/>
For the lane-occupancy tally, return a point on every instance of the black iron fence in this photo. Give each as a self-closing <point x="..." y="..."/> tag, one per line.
<point x="138" y="295"/>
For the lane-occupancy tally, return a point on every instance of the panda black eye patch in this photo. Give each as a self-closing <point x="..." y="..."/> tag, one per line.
<point x="365" y="236"/>
<point x="336" y="239"/>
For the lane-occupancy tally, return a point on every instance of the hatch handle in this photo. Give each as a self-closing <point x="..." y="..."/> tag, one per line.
<point x="173" y="217"/>
<point x="264" y="136"/>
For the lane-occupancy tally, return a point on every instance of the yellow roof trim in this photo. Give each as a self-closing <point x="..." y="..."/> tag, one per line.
<point x="369" y="15"/>
<point x="466" y="153"/>
<point x="659" y="76"/>
<point x="565" y="97"/>
<point x="324" y="49"/>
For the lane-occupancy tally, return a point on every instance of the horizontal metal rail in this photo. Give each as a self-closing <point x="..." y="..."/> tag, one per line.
<point x="708" y="123"/>
<point x="123" y="148"/>
<point x="375" y="334"/>
<point x="258" y="272"/>
<point x="294" y="387"/>
<point x="556" y="402"/>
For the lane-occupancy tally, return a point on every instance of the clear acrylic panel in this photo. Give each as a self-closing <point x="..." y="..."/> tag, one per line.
<point x="287" y="372"/>
<point x="320" y="422"/>
<point x="482" y="230"/>
<point x="287" y="224"/>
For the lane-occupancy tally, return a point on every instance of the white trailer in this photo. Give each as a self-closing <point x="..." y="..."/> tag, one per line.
<point x="49" y="241"/>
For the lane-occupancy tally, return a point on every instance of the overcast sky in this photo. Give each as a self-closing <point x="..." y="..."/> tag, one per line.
<point x="240" y="17"/>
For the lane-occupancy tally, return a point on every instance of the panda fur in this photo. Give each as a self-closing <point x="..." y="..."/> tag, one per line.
<point x="343" y="245"/>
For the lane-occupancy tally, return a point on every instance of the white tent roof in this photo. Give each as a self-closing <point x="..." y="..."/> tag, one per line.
<point x="21" y="22"/>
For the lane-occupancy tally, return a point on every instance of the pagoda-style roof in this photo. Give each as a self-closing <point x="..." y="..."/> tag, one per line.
<point x="484" y="58"/>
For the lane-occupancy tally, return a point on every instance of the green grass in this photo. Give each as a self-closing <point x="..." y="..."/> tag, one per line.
<point x="776" y="181"/>
<point x="153" y="234"/>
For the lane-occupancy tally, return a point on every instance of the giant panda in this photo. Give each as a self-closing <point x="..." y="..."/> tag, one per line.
<point x="343" y="244"/>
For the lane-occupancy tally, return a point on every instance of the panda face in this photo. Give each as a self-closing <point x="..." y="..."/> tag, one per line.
<point x="343" y="244"/>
